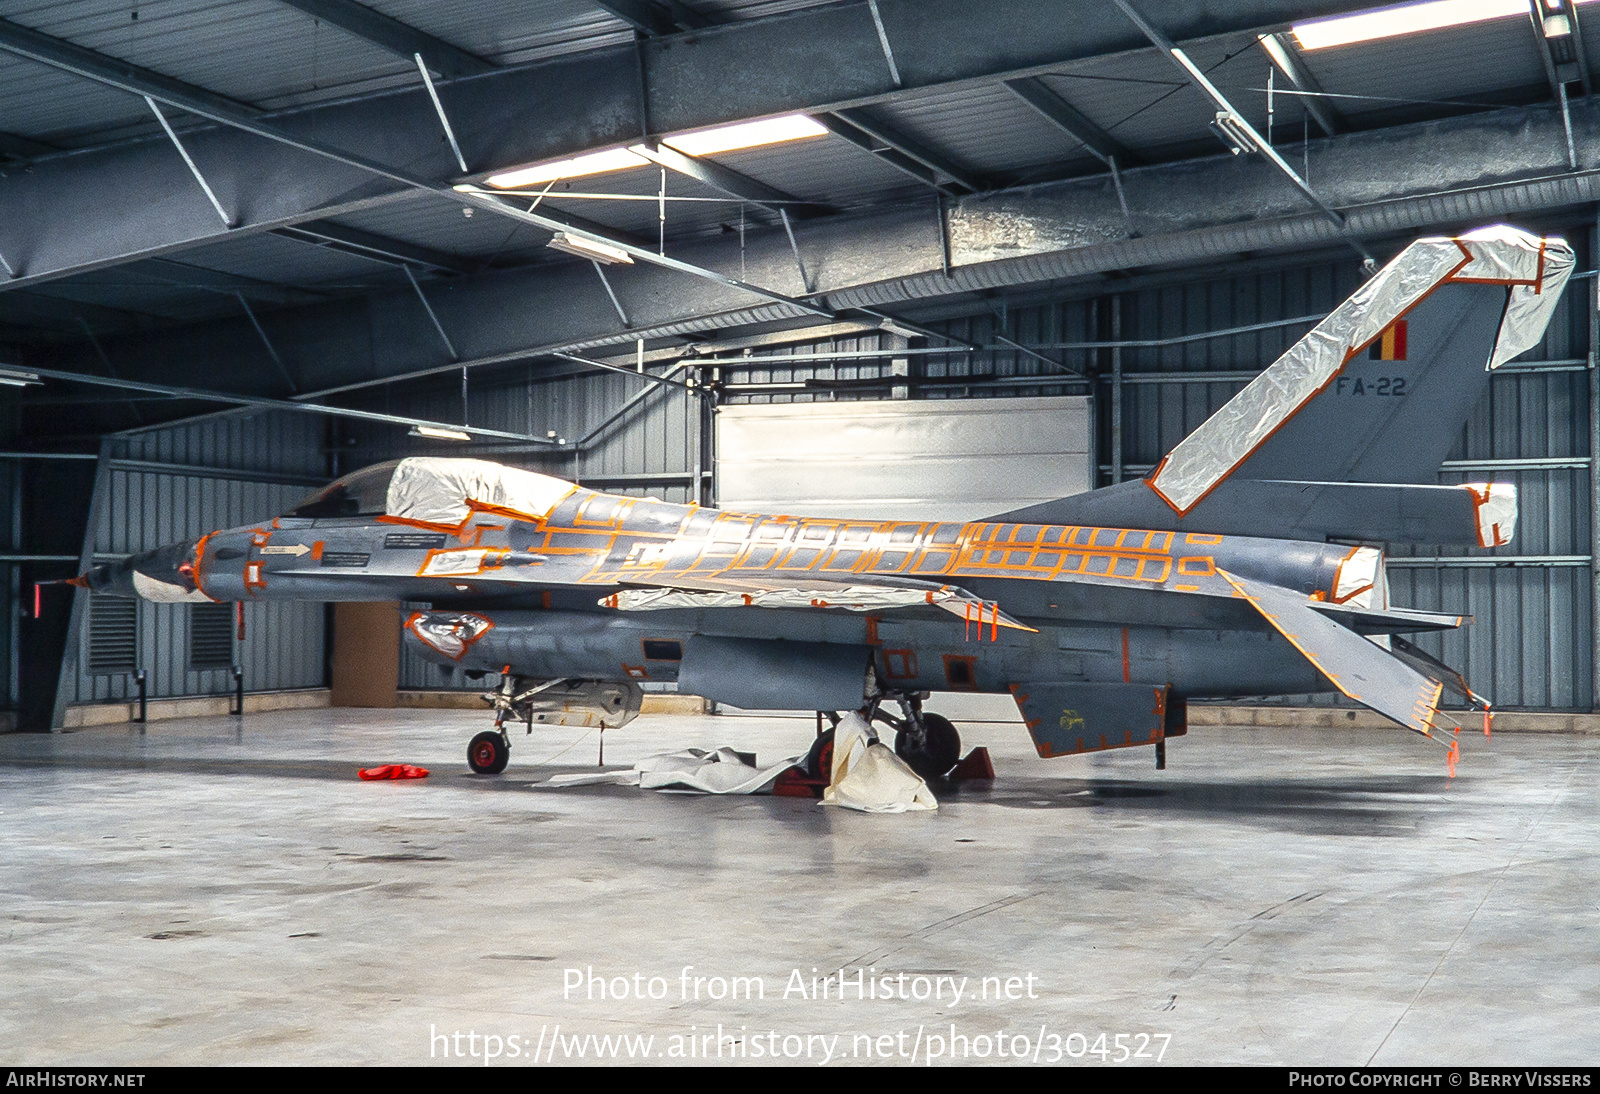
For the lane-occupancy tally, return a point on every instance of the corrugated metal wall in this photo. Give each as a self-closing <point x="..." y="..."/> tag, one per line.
<point x="173" y="484"/>
<point x="653" y="447"/>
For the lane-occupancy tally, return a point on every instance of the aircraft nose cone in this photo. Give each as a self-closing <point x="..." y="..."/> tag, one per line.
<point x="111" y="578"/>
<point x="165" y="574"/>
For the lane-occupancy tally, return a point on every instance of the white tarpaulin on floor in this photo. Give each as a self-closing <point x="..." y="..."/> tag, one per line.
<point x="724" y="771"/>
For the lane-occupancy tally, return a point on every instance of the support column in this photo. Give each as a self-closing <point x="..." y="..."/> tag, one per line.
<point x="1593" y="300"/>
<point x="67" y="678"/>
<point x="1116" y="390"/>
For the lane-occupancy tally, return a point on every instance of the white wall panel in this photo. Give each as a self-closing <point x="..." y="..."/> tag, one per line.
<point x="894" y="459"/>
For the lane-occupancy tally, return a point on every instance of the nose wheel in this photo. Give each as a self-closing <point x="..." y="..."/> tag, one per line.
<point x="489" y="752"/>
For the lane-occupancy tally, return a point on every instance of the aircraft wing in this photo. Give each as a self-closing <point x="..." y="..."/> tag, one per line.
<point x="852" y="593"/>
<point x="1358" y="667"/>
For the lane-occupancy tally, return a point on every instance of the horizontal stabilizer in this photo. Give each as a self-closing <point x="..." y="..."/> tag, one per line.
<point x="1390" y="620"/>
<point x="1474" y="515"/>
<point x="1356" y="666"/>
<point x="1435" y="669"/>
<point x="1067" y="718"/>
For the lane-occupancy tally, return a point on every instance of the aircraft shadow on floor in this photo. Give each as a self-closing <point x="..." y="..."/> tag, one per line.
<point x="1378" y="805"/>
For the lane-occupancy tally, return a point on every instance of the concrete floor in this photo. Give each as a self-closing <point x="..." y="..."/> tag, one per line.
<point x="218" y="892"/>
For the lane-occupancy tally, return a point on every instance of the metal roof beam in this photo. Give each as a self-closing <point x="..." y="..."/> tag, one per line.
<point x="845" y="131"/>
<point x="265" y="403"/>
<point x="1067" y="118"/>
<point x="1558" y="86"/>
<point x="17" y="147"/>
<point x="401" y="39"/>
<point x="1285" y="54"/>
<point x="892" y="152"/>
<point x="892" y="259"/>
<point x="652" y="18"/>
<point x="1580" y="54"/>
<point x="498" y="204"/>
<point x="59" y="53"/>
<point x="727" y="180"/>
<point x="911" y="148"/>
<point x="393" y="252"/>
<point x="604" y="97"/>
<point x="1232" y="127"/>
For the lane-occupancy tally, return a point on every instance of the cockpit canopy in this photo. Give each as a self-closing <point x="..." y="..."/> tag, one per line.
<point x="435" y="490"/>
<point x="361" y="493"/>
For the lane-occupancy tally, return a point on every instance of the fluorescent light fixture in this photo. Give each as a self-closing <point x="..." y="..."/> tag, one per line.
<point x="705" y="142"/>
<point x="728" y="138"/>
<point x="15" y="377"/>
<point x="1234" y="132"/>
<point x="436" y="433"/>
<point x="1557" y="26"/>
<point x="1401" y="19"/>
<point x="589" y="248"/>
<point x="590" y="163"/>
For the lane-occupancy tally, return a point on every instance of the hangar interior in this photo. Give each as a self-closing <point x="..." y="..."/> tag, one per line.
<point x="983" y="205"/>
<point x="247" y="246"/>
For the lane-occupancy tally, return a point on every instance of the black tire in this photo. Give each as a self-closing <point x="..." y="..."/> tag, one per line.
<point x="488" y="754"/>
<point x="819" y="760"/>
<point x="940" y="751"/>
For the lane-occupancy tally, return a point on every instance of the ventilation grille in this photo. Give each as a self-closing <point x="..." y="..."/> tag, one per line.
<point x="113" y="635"/>
<point x="210" y="636"/>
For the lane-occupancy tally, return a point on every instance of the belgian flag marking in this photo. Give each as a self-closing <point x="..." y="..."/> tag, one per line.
<point x="1391" y="344"/>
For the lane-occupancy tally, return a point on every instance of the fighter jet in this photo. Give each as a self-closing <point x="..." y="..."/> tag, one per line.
<point x="1249" y="562"/>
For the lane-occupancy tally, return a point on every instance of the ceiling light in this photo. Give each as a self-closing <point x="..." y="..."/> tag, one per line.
<point x="1391" y="22"/>
<point x="1557" y="26"/>
<point x="590" y="163"/>
<point x="14" y="377"/>
<point x="589" y="248"/>
<point x="727" y="138"/>
<point x="438" y="433"/>
<point x="1235" y="133"/>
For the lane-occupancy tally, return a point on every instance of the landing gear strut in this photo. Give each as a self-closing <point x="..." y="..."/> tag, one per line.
<point x="927" y="742"/>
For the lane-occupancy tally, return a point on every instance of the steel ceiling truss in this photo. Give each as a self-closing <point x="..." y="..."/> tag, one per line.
<point x="398" y="38"/>
<point x="597" y="99"/>
<point x="1438" y="173"/>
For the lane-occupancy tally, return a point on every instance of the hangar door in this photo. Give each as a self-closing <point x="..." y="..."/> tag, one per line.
<point x="900" y="460"/>
<point x="942" y="459"/>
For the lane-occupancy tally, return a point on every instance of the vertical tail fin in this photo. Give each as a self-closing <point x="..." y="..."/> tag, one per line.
<point x="1377" y="391"/>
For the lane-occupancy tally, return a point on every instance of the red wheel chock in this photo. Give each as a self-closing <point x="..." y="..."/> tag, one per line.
<point x="977" y="765"/>
<point x="393" y="771"/>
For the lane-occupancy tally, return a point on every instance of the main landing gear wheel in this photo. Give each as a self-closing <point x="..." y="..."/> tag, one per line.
<point x="938" y="751"/>
<point x="819" y="760"/>
<point x="488" y="753"/>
